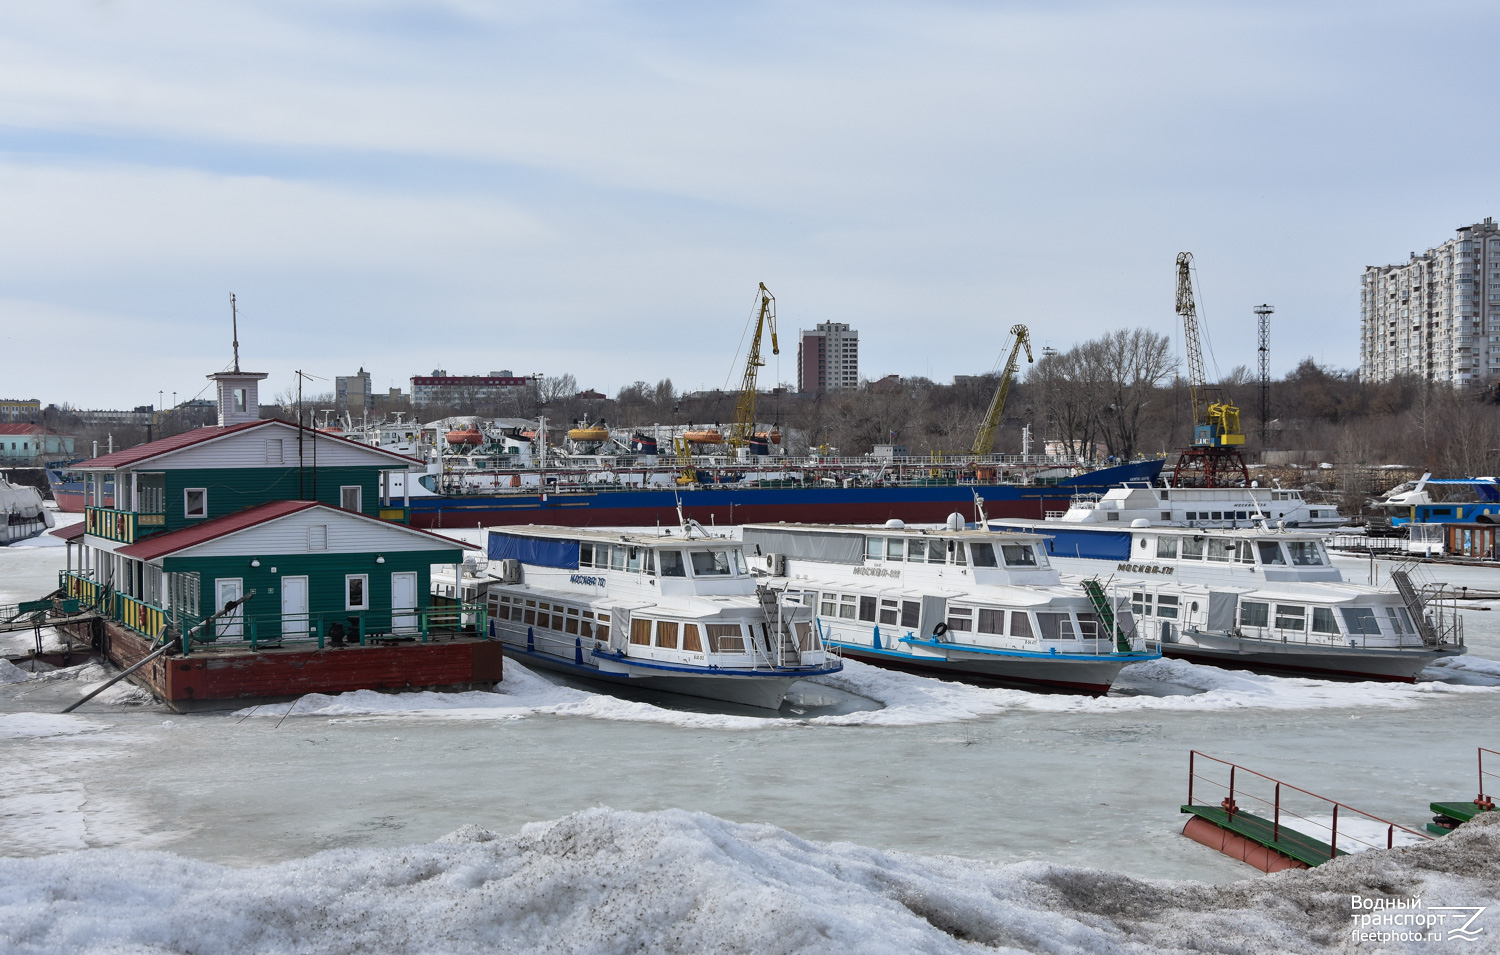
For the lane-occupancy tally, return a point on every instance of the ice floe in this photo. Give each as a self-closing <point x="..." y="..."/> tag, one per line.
<point x="674" y="881"/>
<point x="39" y="725"/>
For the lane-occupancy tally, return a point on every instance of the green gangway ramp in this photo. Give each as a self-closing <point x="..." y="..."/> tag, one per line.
<point x="1289" y="842"/>
<point x="1106" y="613"/>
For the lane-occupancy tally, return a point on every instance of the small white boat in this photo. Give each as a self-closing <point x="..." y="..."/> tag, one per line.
<point x="676" y="611"/>
<point x="23" y="513"/>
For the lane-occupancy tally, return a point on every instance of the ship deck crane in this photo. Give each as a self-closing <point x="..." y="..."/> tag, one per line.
<point x="764" y="317"/>
<point x="984" y="441"/>
<point x="1213" y="459"/>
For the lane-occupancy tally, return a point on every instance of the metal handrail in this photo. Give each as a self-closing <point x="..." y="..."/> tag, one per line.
<point x="1231" y="805"/>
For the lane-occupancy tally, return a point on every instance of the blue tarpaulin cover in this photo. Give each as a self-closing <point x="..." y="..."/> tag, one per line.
<point x="534" y="551"/>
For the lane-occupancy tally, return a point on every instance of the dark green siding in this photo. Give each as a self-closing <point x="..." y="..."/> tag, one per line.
<point x="325" y="581"/>
<point x="231" y="490"/>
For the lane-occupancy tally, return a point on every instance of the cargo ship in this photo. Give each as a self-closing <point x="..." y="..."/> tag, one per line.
<point x="767" y="502"/>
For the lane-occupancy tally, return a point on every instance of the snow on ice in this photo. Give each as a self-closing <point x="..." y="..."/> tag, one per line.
<point x="674" y="881"/>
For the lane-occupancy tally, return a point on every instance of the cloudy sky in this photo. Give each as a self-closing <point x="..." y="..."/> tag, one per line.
<point x="596" y="188"/>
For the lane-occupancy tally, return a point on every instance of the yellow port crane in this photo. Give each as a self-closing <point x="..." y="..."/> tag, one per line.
<point x="763" y="315"/>
<point x="984" y="441"/>
<point x="1214" y="459"/>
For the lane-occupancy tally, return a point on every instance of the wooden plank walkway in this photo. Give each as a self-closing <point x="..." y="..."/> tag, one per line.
<point x="1291" y="843"/>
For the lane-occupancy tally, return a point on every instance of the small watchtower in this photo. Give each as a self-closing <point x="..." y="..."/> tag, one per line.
<point x="239" y="391"/>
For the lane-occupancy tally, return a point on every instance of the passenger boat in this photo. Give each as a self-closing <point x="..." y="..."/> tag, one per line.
<point x="956" y="602"/>
<point x="1258" y="598"/>
<point x="1442" y="501"/>
<point x="1199" y="507"/>
<point x="676" y="611"/>
<point x="23" y="514"/>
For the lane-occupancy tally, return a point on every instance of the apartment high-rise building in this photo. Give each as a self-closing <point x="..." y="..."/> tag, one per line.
<point x="1437" y="315"/>
<point x="828" y="359"/>
<point x="353" y="393"/>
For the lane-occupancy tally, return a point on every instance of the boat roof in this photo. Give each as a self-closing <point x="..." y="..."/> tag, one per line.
<point x="915" y="529"/>
<point x="1074" y="527"/>
<point x="669" y="536"/>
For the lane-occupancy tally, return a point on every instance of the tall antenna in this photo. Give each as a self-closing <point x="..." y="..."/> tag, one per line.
<point x="1263" y="314"/>
<point x="234" y="313"/>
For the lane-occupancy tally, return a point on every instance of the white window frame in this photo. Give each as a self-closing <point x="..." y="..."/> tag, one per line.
<point x="364" y="591"/>
<point x="359" y="495"/>
<point x="186" y="512"/>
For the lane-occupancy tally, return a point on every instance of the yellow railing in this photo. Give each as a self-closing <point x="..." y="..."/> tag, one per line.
<point x="110" y="524"/>
<point x="141" y="616"/>
<point x="80" y="587"/>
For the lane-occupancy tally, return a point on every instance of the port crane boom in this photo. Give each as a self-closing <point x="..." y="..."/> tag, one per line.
<point x="1213" y="460"/>
<point x="984" y="441"/>
<point x="743" y="428"/>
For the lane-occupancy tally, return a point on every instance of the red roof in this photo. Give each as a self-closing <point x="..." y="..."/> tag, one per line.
<point x="143" y="452"/>
<point x="20" y="429"/>
<point x="72" y="532"/>
<point x="170" y="543"/>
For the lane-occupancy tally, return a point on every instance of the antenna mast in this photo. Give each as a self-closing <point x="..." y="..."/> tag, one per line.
<point x="234" y="314"/>
<point x="1263" y="313"/>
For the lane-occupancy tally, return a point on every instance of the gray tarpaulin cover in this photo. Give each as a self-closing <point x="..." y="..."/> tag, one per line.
<point x="806" y="545"/>
<point x="1221" y="611"/>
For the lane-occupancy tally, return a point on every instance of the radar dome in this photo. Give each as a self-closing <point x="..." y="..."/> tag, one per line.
<point x="895" y="524"/>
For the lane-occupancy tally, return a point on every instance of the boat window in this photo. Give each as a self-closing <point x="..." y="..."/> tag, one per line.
<point x="725" y="638"/>
<point x="1322" y="621"/>
<point x="1018" y="555"/>
<point x="710" y="563"/>
<point x="1406" y="619"/>
<point x="1241" y="515"/>
<point x="1192" y="548"/>
<point x="648" y="562"/>
<point x="961" y="618"/>
<point x="601" y="632"/>
<point x="1245" y="553"/>
<point x="1166" y="606"/>
<point x="1291" y="617"/>
<point x="983" y="554"/>
<point x="846" y="606"/>
<point x="690" y="641"/>
<point x="991" y="621"/>
<point x="911" y="614"/>
<point x="867" y="609"/>
<point x="739" y="562"/>
<point x="671" y="564"/>
<point x="666" y="635"/>
<point x="640" y="632"/>
<point x="916" y="551"/>
<point x="895" y="548"/>
<point x="1088" y="626"/>
<point x="1305" y="553"/>
<point x="807" y="637"/>
<point x="633" y="559"/>
<point x="888" y="611"/>
<point x="1020" y="624"/>
<point x="557" y="617"/>
<point x="830" y="605"/>
<point x="875" y="548"/>
<point x="1220" y="549"/>
<point x="617" y="557"/>
<point x="1049" y="624"/>
<point x="530" y="617"/>
<point x="1270" y="553"/>
<point x="570" y="623"/>
<point x="1254" y="614"/>
<point x="1166" y="547"/>
<point x="1140" y="603"/>
<point x="586" y="554"/>
<point x="1360" y="621"/>
<point x="956" y="548"/>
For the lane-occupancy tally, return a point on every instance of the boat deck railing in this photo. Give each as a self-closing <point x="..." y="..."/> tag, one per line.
<point x="1293" y="821"/>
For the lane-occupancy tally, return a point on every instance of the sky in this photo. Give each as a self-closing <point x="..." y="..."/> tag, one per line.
<point x="597" y="188"/>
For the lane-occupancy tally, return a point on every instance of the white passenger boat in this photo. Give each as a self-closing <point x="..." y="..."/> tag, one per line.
<point x="676" y="611"/>
<point x="960" y="603"/>
<point x="1255" y="598"/>
<point x="1199" y="507"/>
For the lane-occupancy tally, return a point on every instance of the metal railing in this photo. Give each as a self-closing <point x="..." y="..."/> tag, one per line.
<point x="1305" y="838"/>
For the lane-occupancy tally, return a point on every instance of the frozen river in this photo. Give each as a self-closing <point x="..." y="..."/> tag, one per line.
<point x="937" y="769"/>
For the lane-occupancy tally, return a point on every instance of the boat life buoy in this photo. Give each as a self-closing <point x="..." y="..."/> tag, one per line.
<point x="940" y="629"/>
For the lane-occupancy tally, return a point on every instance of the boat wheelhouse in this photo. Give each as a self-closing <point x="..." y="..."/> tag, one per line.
<point x="1255" y="598"/>
<point x="677" y="611"/>
<point x="1199" y="507"/>
<point x="961" y="603"/>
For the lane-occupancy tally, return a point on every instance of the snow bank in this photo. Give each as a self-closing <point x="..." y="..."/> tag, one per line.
<point x="674" y="881"/>
<point x="906" y="699"/>
<point x="1467" y="665"/>
<point x="10" y="673"/>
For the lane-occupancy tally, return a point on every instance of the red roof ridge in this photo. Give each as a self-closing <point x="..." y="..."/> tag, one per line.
<point x="186" y="439"/>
